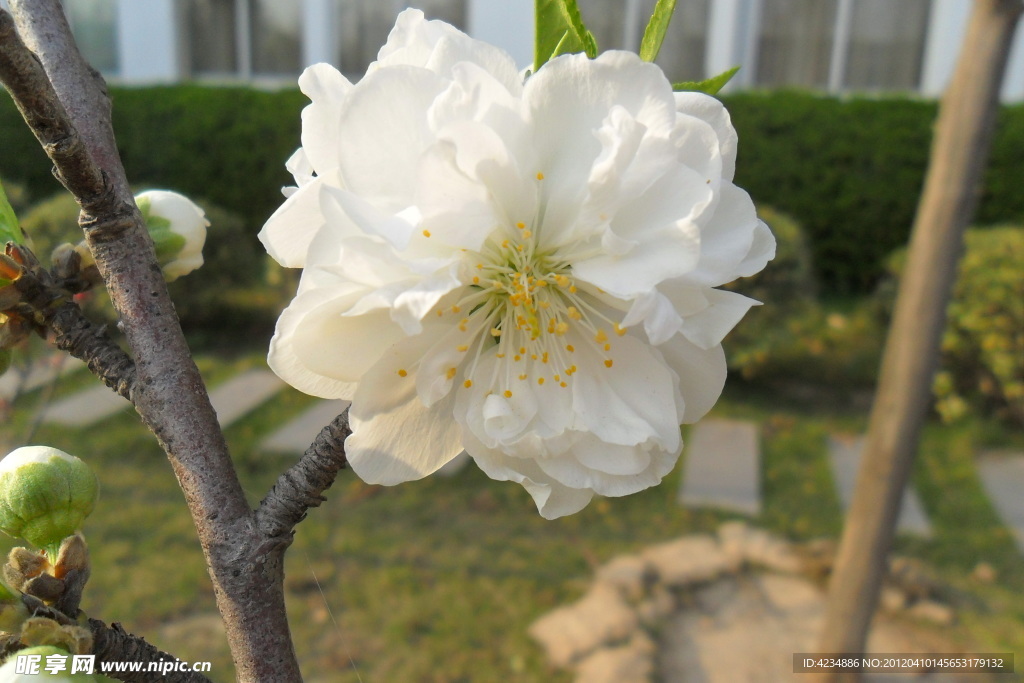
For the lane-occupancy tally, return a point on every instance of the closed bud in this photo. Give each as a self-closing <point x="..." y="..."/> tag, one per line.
<point x="45" y="495"/>
<point x="178" y="228"/>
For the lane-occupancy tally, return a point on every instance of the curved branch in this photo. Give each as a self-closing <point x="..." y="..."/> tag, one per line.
<point x="113" y="644"/>
<point x="87" y="341"/>
<point x="300" y="487"/>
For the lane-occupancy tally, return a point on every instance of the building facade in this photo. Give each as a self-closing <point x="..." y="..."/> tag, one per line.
<point x="835" y="46"/>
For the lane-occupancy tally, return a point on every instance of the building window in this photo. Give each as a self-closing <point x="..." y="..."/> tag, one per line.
<point x="682" y="54"/>
<point x="795" y="46"/>
<point x="363" y="27"/>
<point x="210" y="35"/>
<point x="276" y="29"/>
<point x="94" y="24"/>
<point x="886" y="46"/>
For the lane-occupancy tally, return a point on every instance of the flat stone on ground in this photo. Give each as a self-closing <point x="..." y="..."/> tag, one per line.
<point x="296" y="435"/>
<point x="86" y="407"/>
<point x="598" y="618"/>
<point x="1002" y="475"/>
<point x="242" y="393"/>
<point x="844" y="454"/>
<point x="723" y="467"/>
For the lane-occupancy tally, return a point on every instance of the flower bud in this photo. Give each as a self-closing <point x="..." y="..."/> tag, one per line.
<point x="178" y="228"/>
<point x="45" y="495"/>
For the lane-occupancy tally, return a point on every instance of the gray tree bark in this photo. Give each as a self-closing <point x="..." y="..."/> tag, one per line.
<point x="963" y="135"/>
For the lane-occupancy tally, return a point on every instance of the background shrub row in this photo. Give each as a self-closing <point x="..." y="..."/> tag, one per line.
<point x="849" y="171"/>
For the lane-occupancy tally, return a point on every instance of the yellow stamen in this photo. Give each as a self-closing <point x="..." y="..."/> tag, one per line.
<point x="540" y="380"/>
<point x="508" y="394"/>
<point x="608" y="363"/>
<point x="570" y="348"/>
<point x="450" y="373"/>
<point x="540" y="176"/>
<point x="462" y="347"/>
<point x="402" y="373"/>
<point x="468" y="383"/>
<point x="426" y="233"/>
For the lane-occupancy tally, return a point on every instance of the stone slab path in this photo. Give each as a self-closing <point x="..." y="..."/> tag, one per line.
<point x="295" y="436"/>
<point x="40" y="373"/>
<point x="723" y="467"/>
<point x="844" y="454"/>
<point x="1002" y="475"/>
<point x="85" y="407"/>
<point x="241" y="394"/>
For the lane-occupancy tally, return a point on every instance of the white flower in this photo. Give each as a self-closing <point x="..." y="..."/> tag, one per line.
<point x="178" y="228"/>
<point x="522" y="270"/>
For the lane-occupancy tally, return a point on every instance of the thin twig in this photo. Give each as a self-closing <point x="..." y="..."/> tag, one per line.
<point x="87" y="341"/>
<point x="301" y="486"/>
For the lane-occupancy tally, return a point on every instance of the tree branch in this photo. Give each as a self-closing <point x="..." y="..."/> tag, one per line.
<point x="300" y="487"/>
<point x="87" y="341"/>
<point x="246" y="571"/>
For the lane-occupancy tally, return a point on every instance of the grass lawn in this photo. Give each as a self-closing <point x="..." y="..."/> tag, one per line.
<point x="438" y="580"/>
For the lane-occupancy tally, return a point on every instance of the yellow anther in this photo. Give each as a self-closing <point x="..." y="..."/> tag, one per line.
<point x="556" y="378"/>
<point x="542" y="283"/>
<point x="571" y="370"/>
<point x="402" y="373"/>
<point x="544" y="304"/>
<point x="479" y="266"/>
<point x="519" y="247"/>
<point x="468" y="383"/>
<point x="540" y="176"/>
<point x="508" y="394"/>
<point x="619" y="330"/>
<point x="455" y="309"/>
<point x="439" y="313"/>
<point x="517" y="357"/>
<point x="527" y="235"/>
<point x="521" y="225"/>
<point x="570" y="348"/>
<point x="450" y="373"/>
<point x="540" y="380"/>
<point x="607" y="347"/>
<point x="608" y="363"/>
<point x="501" y="355"/>
<point x="600" y="336"/>
<point x="495" y="332"/>
<point x="561" y="328"/>
<point x="572" y="289"/>
<point x="476" y="280"/>
<point x="426" y="233"/>
<point x="462" y="347"/>
<point x="562" y="280"/>
<point x="504" y="244"/>
<point x="522" y="349"/>
<point x="523" y="376"/>
<point x="544" y="358"/>
<point x="574" y="313"/>
<point x="563" y="384"/>
<point x="533" y="356"/>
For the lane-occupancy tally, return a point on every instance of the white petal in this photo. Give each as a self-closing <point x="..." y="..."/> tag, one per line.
<point x="288" y="232"/>
<point x="726" y="239"/>
<point x="553" y="499"/>
<point x="403" y="444"/>
<point x="395" y="228"/>
<point x="631" y="402"/>
<point x="701" y="374"/>
<point x="761" y="251"/>
<point x="708" y="327"/>
<point x="660" y="318"/>
<point x="714" y="113"/>
<point x="383" y="132"/>
<point x="300" y="168"/>
<point x="321" y="120"/>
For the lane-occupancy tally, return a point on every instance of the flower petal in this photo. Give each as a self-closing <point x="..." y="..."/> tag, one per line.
<point x="701" y="375"/>
<point x="321" y="120"/>
<point x="708" y="327"/>
<point x="713" y="112"/>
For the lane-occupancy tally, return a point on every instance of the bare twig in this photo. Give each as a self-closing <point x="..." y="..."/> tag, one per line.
<point x="87" y="341"/>
<point x="300" y="487"/>
<point x="113" y="644"/>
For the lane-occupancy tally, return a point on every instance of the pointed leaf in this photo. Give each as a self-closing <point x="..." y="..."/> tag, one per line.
<point x="550" y="30"/>
<point x="9" y="228"/>
<point x="709" y="86"/>
<point x="654" y="34"/>
<point x="573" y="18"/>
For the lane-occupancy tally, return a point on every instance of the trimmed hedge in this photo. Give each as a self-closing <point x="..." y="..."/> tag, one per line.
<point x="849" y="170"/>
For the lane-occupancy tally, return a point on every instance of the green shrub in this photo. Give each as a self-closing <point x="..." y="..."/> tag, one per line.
<point x="982" y="362"/>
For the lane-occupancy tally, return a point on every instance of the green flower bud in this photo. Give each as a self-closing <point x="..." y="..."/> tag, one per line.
<point x="45" y="495"/>
<point x="60" y="673"/>
<point x="178" y="228"/>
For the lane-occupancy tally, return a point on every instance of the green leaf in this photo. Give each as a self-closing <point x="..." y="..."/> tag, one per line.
<point x="709" y="86"/>
<point x="10" y="231"/>
<point x="571" y="13"/>
<point x="654" y="34"/>
<point x="554" y="34"/>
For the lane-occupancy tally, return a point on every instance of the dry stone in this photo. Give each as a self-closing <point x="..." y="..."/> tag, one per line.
<point x="756" y="546"/>
<point x="598" y="618"/>
<point x="629" y="573"/>
<point x="658" y="605"/>
<point x="691" y="559"/>
<point x="932" y="611"/>
<point x="630" y="663"/>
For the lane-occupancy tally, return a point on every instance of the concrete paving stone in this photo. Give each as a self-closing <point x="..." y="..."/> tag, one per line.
<point x="86" y="407"/>
<point x="1002" y="475"/>
<point x="40" y="373"/>
<point x="723" y="467"/>
<point x="844" y="454"/>
<point x="243" y="393"/>
<point x="296" y="435"/>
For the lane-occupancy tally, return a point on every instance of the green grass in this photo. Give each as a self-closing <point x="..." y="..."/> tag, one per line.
<point x="437" y="580"/>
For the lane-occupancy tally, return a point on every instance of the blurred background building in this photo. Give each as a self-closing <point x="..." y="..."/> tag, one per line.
<point x="834" y="46"/>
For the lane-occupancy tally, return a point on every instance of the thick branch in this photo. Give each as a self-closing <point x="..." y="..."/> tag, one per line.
<point x="300" y="487"/>
<point x="114" y="644"/>
<point x="84" y="339"/>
